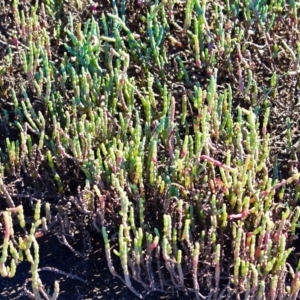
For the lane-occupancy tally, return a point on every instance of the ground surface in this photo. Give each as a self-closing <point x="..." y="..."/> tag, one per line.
<point x="99" y="282"/>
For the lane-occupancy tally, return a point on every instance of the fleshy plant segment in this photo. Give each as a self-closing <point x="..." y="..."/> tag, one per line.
<point x="176" y="169"/>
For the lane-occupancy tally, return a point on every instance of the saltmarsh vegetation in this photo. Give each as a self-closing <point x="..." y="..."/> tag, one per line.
<point x="154" y="121"/>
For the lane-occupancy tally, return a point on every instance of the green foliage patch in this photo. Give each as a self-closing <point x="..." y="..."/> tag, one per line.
<point x="156" y="122"/>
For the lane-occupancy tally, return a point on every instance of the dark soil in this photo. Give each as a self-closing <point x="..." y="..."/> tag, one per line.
<point x="100" y="284"/>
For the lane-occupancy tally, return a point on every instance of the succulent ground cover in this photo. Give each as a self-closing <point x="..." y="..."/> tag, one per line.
<point x="158" y="137"/>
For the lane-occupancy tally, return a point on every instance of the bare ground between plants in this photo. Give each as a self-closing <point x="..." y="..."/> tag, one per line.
<point x="100" y="284"/>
